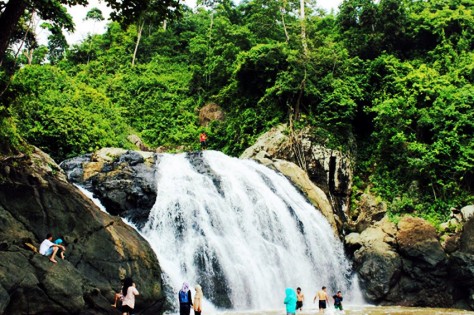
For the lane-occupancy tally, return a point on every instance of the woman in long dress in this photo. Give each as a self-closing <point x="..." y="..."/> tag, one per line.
<point x="198" y="300"/>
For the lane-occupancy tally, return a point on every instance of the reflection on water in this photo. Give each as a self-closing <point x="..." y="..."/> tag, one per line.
<point x="358" y="310"/>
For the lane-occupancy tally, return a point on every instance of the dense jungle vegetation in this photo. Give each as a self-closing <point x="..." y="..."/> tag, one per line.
<point x="389" y="81"/>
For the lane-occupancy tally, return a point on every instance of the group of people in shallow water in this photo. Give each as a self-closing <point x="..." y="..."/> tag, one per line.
<point x="294" y="300"/>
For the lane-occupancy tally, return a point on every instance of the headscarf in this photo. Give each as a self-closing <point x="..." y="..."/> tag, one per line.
<point x="185" y="287"/>
<point x="290" y="293"/>
<point x="198" y="294"/>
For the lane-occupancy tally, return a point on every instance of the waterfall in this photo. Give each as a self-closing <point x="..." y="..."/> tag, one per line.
<point x="241" y="231"/>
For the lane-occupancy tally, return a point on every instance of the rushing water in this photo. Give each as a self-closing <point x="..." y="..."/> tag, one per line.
<point x="259" y="229"/>
<point x="242" y="231"/>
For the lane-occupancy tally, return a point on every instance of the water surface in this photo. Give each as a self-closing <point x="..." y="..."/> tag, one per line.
<point x="358" y="310"/>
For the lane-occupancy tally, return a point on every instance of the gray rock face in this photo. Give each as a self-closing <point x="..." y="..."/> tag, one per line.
<point x="124" y="181"/>
<point x="330" y="170"/>
<point x="35" y="199"/>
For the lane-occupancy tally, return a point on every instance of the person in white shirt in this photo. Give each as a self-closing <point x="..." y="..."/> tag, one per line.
<point x="129" y="291"/>
<point x="47" y="248"/>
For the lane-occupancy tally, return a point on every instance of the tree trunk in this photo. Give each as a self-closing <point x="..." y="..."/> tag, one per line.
<point x="140" y="29"/>
<point x="303" y="28"/>
<point x="209" y="50"/>
<point x="8" y="21"/>
<point x="282" y="12"/>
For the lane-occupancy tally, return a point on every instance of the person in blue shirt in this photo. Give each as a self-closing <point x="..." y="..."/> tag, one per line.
<point x="185" y="300"/>
<point x="62" y="248"/>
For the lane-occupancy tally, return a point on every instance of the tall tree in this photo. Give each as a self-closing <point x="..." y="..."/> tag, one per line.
<point x="54" y="11"/>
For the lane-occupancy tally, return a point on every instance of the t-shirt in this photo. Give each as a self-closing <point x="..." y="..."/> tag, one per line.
<point x="45" y="246"/>
<point x="129" y="299"/>
<point x="337" y="300"/>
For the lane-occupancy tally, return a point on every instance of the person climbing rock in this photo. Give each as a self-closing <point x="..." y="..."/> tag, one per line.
<point x="128" y="291"/>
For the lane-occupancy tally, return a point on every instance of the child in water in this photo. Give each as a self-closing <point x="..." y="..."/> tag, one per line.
<point x="338" y="301"/>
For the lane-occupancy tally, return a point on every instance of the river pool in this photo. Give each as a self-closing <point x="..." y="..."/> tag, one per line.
<point x="355" y="310"/>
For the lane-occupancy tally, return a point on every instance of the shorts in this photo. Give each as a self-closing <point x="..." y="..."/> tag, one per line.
<point x="299" y="304"/>
<point x="127" y="309"/>
<point x="49" y="251"/>
<point x="322" y="304"/>
<point x="338" y="307"/>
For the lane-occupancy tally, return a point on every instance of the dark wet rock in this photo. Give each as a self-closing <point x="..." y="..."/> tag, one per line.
<point x="124" y="181"/>
<point x="35" y="198"/>
<point x="467" y="237"/>
<point x="406" y="264"/>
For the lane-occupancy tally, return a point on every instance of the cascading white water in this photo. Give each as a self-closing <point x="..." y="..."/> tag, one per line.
<point x="242" y="231"/>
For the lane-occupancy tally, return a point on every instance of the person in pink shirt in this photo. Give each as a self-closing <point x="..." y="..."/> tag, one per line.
<point x="129" y="291"/>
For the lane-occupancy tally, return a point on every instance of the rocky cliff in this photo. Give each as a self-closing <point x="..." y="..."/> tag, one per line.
<point x="406" y="263"/>
<point x="329" y="170"/>
<point x="36" y="198"/>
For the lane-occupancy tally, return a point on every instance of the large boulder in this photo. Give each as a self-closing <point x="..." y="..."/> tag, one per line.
<point x="418" y="240"/>
<point x="35" y="198"/>
<point x="329" y="169"/>
<point x="376" y="259"/>
<point x="405" y="264"/>
<point x="124" y="181"/>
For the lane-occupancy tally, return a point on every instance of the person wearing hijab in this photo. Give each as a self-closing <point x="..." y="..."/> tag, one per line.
<point x="128" y="291"/>
<point x="290" y="301"/>
<point x="197" y="304"/>
<point x="185" y="300"/>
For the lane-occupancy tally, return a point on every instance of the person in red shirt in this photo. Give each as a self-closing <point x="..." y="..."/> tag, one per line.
<point x="203" y="140"/>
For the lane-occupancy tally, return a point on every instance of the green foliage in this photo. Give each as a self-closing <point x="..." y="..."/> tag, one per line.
<point x="63" y="117"/>
<point x="155" y="102"/>
<point x="389" y="81"/>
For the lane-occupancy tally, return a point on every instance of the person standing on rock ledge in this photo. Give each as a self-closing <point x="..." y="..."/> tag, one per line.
<point x="47" y="248"/>
<point x="203" y="140"/>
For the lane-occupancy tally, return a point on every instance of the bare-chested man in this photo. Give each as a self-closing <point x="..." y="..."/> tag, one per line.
<point x="323" y="299"/>
<point x="300" y="299"/>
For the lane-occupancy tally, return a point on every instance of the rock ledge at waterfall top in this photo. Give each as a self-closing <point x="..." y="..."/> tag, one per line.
<point x="35" y="198"/>
<point x="124" y="181"/>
